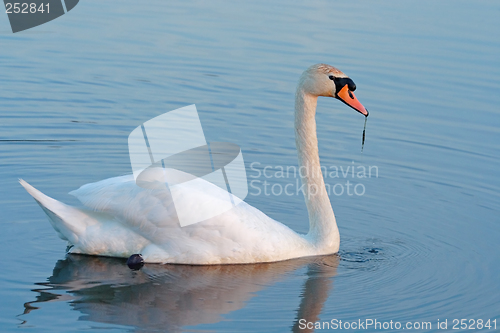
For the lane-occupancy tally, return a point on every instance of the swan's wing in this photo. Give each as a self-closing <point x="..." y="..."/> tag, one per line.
<point x="144" y="211"/>
<point x="120" y="196"/>
<point x="174" y="206"/>
<point x="242" y="231"/>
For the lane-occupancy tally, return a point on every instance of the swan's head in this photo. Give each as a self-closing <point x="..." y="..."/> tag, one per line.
<point x="326" y="80"/>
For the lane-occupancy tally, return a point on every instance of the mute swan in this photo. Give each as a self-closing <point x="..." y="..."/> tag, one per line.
<point x="125" y="219"/>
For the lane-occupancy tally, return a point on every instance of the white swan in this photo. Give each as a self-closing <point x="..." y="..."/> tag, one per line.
<point x="126" y="219"/>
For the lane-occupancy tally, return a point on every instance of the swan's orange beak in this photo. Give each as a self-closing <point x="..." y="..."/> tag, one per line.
<point x="347" y="96"/>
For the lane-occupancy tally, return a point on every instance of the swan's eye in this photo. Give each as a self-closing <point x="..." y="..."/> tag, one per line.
<point x="331" y="77"/>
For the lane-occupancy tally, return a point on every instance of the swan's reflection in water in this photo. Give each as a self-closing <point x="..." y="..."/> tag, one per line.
<point x="169" y="297"/>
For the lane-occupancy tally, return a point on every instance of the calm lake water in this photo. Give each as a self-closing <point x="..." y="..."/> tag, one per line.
<point x="419" y="238"/>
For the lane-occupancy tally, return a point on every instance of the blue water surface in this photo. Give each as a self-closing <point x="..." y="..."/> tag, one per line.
<point x="419" y="244"/>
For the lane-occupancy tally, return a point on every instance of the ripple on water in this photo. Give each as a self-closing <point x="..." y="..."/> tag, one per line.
<point x="408" y="277"/>
<point x="374" y="264"/>
<point x="372" y="253"/>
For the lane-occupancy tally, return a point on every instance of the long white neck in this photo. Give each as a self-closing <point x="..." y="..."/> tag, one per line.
<point x="323" y="231"/>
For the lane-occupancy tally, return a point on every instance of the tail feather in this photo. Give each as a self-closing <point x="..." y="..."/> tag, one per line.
<point x="69" y="222"/>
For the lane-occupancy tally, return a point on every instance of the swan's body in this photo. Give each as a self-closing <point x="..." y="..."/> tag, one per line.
<point x="124" y="219"/>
